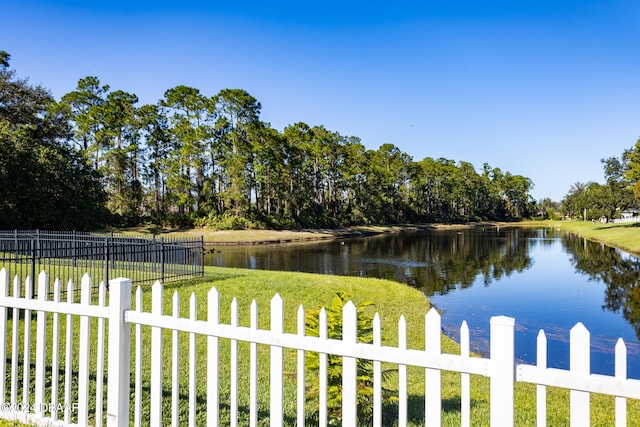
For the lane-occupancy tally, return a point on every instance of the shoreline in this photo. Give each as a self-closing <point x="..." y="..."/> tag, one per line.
<point x="622" y="236"/>
<point x="268" y="237"/>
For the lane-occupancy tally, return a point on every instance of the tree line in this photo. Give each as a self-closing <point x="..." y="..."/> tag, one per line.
<point x="620" y="191"/>
<point x="43" y="182"/>
<point x="192" y="159"/>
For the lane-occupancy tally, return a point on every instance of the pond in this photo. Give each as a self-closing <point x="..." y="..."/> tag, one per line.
<point x="544" y="278"/>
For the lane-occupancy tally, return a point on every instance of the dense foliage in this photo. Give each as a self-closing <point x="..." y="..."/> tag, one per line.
<point x="43" y="183"/>
<point x="191" y="159"/>
<point x="365" y="371"/>
<point x="619" y="193"/>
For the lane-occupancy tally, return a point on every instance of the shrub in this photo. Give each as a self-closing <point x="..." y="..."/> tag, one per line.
<point x="334" y="363"/>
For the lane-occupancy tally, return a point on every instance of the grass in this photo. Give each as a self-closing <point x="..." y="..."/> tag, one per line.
<point x="392" y="300"/>
<point x="296" y="289"/>
<point x="275" y="236"/>
<point x="625" y="236"/>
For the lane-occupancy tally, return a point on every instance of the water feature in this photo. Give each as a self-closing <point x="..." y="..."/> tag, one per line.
<point x="543" y="278"/>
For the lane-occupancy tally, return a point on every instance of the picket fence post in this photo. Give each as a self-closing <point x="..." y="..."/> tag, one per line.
<point x="433" y="377"/>
<point x="84" y="351"/>
<point x="213" y="361"/>
<point x="41" y="346"/>
<point x="118" y="359"/>
<point x="621" y="374"/>
<point x="155" y="398"/>
<point x="349" y="366"/>
<point x="276" y="403"/>
<point x="502" y="371"/>
<point x="580" y="363"/>
<point x="541" y="391"/>
<point x="4" y="291"/>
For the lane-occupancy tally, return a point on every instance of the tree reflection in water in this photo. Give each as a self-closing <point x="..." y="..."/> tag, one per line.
<point x="439" y="262"/>
<point x="619" y="271"/>
<point x="435" y="261"/>
<point x="454" y="260"/>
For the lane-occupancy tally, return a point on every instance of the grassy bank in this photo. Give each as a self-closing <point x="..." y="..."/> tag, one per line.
<point x="391" y="300"/>
<point x="240" y="237"/>
<point x="625" y="236"/>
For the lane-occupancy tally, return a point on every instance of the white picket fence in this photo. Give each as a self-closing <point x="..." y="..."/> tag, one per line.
<point x="74" y="364"/>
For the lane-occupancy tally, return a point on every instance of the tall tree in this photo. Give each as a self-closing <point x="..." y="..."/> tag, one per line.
<point x="43" y="182"/>
<point x="516" y="195"/>
<point x="268" y="166"/>
<point x="84" y="104"/>
<point x="118" y="138"/>
<point x="154" y="130"/>
<point x="297" y="138"/>
<point x="237" y="111"/>
<point x="354" y="180"/>
<point x="4" y="59"/>
<point x="189" y="115"/>
<point x="631" y="159"/>
<point x="621" y="190"/>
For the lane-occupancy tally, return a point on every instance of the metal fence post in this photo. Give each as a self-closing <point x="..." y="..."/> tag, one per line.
<point x="202" y="255"/>
<point x="162" y="258"/>
<point x="33" y="266"/>
<point x="75" y="250"/>
<point x="154" y="253"/>
<point x="106" y="260"/>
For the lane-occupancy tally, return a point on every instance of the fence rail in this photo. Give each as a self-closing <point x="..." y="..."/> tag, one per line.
<point x="67" y="255"/>
<point x="189" y="386"/>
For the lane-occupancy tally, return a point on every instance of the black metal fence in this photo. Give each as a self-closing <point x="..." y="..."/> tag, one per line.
<point x="68" y="255"/>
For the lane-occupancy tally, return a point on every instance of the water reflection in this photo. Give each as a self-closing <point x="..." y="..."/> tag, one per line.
<point x="436" y="261"/>
<point x="619" y="271"/>
<point x="528" y="274"/>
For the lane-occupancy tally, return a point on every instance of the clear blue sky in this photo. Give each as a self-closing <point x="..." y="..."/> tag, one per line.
<point x="540" y="88"/>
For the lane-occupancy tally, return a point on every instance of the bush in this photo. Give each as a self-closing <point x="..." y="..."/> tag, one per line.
<point x="177" y="220"/>
<point x="226" y="222"/>
<point x="334" y="363"/>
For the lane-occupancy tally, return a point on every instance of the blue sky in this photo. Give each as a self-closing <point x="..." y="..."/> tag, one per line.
<point x="543" y="89"/>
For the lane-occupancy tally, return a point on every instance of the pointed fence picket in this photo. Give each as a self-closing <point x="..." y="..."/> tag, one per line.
<point x="159" y="393"/>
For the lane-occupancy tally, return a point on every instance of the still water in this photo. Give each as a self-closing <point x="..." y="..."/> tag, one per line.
<point x="543" y="278"/>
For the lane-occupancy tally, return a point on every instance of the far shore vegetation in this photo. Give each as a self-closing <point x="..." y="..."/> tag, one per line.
<point x="625" y="236"/>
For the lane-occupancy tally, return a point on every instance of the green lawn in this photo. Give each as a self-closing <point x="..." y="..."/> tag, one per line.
<point x="625" y="236"/>
<point x="391" y="300"/>
<point x="212" y="237"/>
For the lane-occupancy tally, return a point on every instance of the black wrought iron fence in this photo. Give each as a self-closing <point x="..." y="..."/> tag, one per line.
<point x="68" y="255"/>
